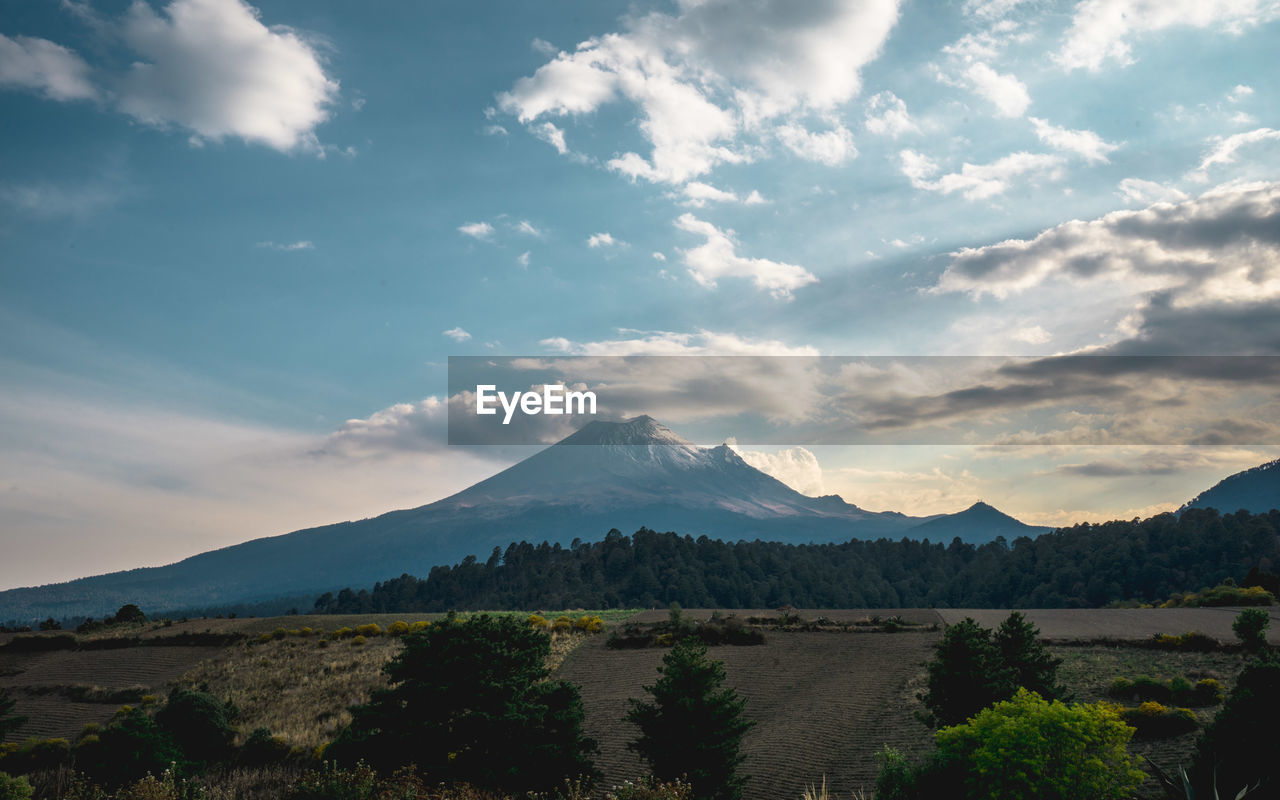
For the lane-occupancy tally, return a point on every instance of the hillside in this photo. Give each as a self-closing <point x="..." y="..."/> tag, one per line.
<point x="1256" y="490"/>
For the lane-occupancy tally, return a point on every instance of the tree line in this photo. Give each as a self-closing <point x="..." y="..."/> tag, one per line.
<point x="1084" y="566"/>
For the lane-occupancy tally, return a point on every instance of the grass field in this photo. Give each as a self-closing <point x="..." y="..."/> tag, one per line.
<point x="825" y="702"/>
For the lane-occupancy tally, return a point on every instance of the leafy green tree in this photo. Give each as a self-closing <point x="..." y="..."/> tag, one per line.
<point x="1250" y="627"/>
<point x="127" y="749"/>
<point x="1031" y="747"/>
<point x="9" y="722"/>
<point x="14" y="788"/>
<point x="693" y="727"/>
<point x="129" y="613"/>
<point x="470" y="702"/>
<point x="1240" y="744"/>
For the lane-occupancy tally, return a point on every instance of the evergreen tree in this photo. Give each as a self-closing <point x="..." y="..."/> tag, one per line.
<point x="9" y="721"/>
<point x="470" y="701"/>
<point x="1028" y="663"/>
<point x="966" y="674"/>
<point x="694" y="726"/>
<point x="1240" y="748"/>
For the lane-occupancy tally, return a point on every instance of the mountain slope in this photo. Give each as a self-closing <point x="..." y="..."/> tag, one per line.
<point x="1256" y="490"/>
<point x="624" y="475"/>
<point x="977" y="524"/>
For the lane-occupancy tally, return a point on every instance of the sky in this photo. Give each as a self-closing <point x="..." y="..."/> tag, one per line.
<point x="239" y="243"/>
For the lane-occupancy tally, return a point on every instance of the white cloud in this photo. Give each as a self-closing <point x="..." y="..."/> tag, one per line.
<point x="287" y="246"/>
<point x="523" y="259"/>
<point x="1032" y="334"/>
<point x="212" y="67"/>
<point x="457" y="334"/>
<point x="991" y="9"/>
<point x="1101" y="29"/>
<point x="755" y="199"/>
<point x="603" y="239"/>
<point x="1007" y="93"/>
<point x="1224" y="150"/>
<point x="797" y="467"/>
<point x="671" y="343"/>
<point x="701" y="79"/>
<point x="659" y="256"/>
<point x="45" y="67"/>
<point x="698" y="194"/>
<point x="1084" y="143"/>
<point x="552" y="135"/>
<point x="887" y="116"/>
<point x="717" y="258"/>
<point x="1240" y="92"/>
<point x="494" y="130"/>
<point x="543" y="47"/>
<point x="476" y="230"/>
<point x="832" y="147"/>
<point x="975" y="181"/>
<point x="1222" y="247"/>
<point x="527" y="228"/>
<point x="1137" y="190"/>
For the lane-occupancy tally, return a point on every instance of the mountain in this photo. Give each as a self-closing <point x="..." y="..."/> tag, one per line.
<point x="977" y="524"/>
<point x="623" y="475"/>
<point x="1256" y="490"/>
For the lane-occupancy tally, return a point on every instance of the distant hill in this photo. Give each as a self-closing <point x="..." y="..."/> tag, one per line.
<point x="977" y="524"/>
<point x="623" y="475"/>
<point x="1256" y="490"/>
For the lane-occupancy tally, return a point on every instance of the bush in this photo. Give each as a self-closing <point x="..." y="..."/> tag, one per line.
<point x="200" y="725"/>
<point x="12" y="788"/>
<point x="369" y="629"/>
<point x="538" y="622"/>
<point x="398" y="628"/>
<point x="693" y="728"/>
<point x="1250" y="627"/>
<point x="37" y="755"/>
<point x="129" y="613"/>
<point x="131" y="746"/>
<point x="1240" y="744"/>
<point x="470" y="702"/>
<point x="1153" y="720"/>
<point x="1031" y="747"/>
<point x="9" y="722"/>
<point x="1191" y="641"/>
<point x="1141" y="688"/>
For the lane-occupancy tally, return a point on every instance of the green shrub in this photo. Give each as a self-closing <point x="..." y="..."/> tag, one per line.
<point x="358" y="641"/>
<point x="9" y="722"/>
<point x="1250" y="627"/>
<point x="1030" y="747"/>
<point x="1191" y="641"/>
<point x="398" y="628"/>
<point x="1153" y="720"/>
<point x="369" y="630"/>
<point x="14" y="788"/>
<point x="1240" y="745"/>
<point x="201" y="726"/>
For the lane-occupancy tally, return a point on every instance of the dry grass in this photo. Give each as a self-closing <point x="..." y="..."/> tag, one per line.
<point x="297" y="688"/>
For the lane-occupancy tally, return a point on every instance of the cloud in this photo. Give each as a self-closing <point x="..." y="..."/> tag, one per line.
<point x="552" y="135"/>
<point x="603" y="239"/>
<point x="523" y="259"/>
<point x="1084" y="143"/>
<point x="42" y="66"/>
<point x="1221" y="246"/>
<point x="991" y="9"/>
<point x="1225" y="148"/>
<point x="1007" y="93"/>
<point x="659" y="256"/>
<point x="975" y="181"/>
<point x="212" y="67"/>
<point x="698" y="194"/>
<point x="832" y="147"/>
<point x="493" y="130"/>
<point x="1137" y="190"/>
<point x="755" y="199"/>
<point x="1101" y="30"/>
<point x="47" y="199"/>
<point x="416" y="426"/>
<point x="527" y="228"/>
<point x="476" y="230"/>
<point x="457" y="334"/>
<point x="701" y="79"/>
<point x="717" y="258"/>
<point x="671" y="343"/>
<point x="887" y="116"/>
<point x="290" y="246"/>
<point x="1240" y="92"/>
<point x="796" y="467"/>
<point x="1032" y="334"/>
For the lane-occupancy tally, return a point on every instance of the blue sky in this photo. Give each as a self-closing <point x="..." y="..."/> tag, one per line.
<point x="238" y="242"/>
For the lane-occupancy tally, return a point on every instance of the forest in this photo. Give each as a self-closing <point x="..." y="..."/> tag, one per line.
<point x="1084" y="566"/>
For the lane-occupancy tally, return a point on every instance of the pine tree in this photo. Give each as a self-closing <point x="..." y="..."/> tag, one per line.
<point x="470" y="701"/>
<point x="694" y="726"/>
<point x="1028" y="662"/>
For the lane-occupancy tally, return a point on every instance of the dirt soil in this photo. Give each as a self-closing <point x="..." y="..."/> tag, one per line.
<point x="825" y="702"/>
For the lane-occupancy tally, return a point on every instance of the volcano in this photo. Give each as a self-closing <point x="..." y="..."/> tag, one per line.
<point x="623" y="475"/>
